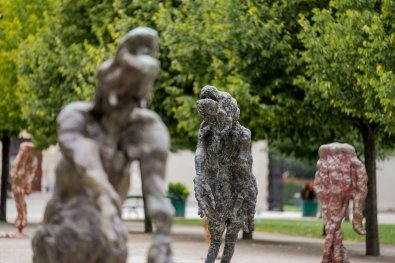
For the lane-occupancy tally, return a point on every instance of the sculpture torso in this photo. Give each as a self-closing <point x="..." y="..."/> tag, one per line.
<point x="98" y="142"/>
<point x="143" y="134"/>
<point x="221" y="166"/>
<point x="225" y="187"/>
<point x="340" y="177"/>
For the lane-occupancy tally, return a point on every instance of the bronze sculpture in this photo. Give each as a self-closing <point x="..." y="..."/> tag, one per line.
<point x="225" y="187"/>
<point x="99" y="140"/>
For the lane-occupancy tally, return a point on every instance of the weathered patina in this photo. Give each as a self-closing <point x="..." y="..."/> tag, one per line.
<point x="225" y="187"/>
<point x="98" y="141"/>
<point x="340" y="177"/>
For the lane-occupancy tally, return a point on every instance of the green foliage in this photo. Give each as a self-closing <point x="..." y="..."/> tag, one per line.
<point x="16" y="24"/>
<point x="299" y="169"/>
<point x="248" y="48"/>
<point x="177" y="190"/>
<point x="349" y="69"/>
<point x="58" y="64"/>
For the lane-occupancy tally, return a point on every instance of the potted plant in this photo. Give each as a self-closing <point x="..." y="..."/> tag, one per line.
<point x="309" y="201"/>
<point x="178" y="194"/>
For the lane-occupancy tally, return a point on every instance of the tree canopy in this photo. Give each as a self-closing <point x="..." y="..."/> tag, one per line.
<point x="16" y="24"/>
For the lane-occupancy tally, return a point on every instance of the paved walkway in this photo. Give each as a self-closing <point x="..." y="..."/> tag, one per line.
<point x="189" y="245"/>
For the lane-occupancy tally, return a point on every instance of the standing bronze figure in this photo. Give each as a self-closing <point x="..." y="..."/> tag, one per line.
<point x="225" y="187"/>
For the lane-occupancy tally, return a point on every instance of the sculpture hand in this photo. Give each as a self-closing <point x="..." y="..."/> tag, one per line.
<point x="106" y="194"/>
<point x="202" y="209"/>
<point x="28" y="189"/>
<point x="109" y="201"/>
<point x="249" y="225"/>
<point x="357" y="222"/>
<point x="207" y="193"/>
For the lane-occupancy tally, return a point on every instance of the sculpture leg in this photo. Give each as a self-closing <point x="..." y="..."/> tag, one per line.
<point x="339" y="251"/>
<point x="161" y="212"/>
<point x="328" y="244"/>
<point x="159" y="209"/>
<point x="21" y="208"/>
<point x="232" y="232"/>
<point x="216" y="228"/>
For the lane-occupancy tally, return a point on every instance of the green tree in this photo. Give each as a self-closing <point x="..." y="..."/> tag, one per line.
<point x="248" y="48"/>
<point x="58" y="64"/>
<point x="16" y="24"/>
<point x="350" y="49"/>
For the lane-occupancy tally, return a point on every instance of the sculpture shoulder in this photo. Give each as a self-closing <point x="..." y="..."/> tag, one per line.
<point x="243" y="134"/>
<point x="145" y="116"/>
<point x="73" y="115"/>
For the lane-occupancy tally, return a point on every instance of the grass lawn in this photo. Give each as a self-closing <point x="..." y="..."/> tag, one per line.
<point x="307" y="228"/>
<point x="292" y="208"/>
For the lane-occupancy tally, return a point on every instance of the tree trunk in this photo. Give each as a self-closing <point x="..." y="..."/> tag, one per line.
<point x="372" y="235"/>
<point x="5" y="141"/>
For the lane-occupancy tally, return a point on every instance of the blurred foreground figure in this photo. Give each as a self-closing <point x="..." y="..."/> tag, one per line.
<point x="82" y="222"/>
<point x="340" y="177"/>
<point x="22" y="175"/>
<point x="225" y="187"/>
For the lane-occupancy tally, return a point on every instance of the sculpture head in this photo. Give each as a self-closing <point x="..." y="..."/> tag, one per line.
<point x="139" y="41"/>
<point x="27" y="148"/>
<point x="218" y="109"/>
<point x="128" y="78"/>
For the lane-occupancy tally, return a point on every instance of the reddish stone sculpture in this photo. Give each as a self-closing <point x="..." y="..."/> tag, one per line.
<point x="340" y="177"/>
<point x="22" y="175"/>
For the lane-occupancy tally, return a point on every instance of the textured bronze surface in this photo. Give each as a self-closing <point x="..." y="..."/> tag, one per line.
<point x="225" y="187"/>
<point x="98" y="141"/>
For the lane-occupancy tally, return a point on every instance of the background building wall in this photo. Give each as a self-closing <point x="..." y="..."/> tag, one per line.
<point x="386" y="184"/>
<point x="181" y="167"/>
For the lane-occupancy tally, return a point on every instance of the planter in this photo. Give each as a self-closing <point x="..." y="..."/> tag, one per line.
<point x="309" y="208"/>
<point x="179" y="206"/>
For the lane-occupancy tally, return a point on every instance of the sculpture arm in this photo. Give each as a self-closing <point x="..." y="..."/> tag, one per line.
<point x="360" y="179"/>
<point x="246" y="182"/>
<point x="31" y="175"/>
<point x="83" y="153"/>
<point x="202" y="188"/>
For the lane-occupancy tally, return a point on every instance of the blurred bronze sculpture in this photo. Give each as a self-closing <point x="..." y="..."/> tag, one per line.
<point x="225" y="187"/>
<point x="22" y="175"/>
<point x="99" y="140"/>
<point x="340" y="177"/>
